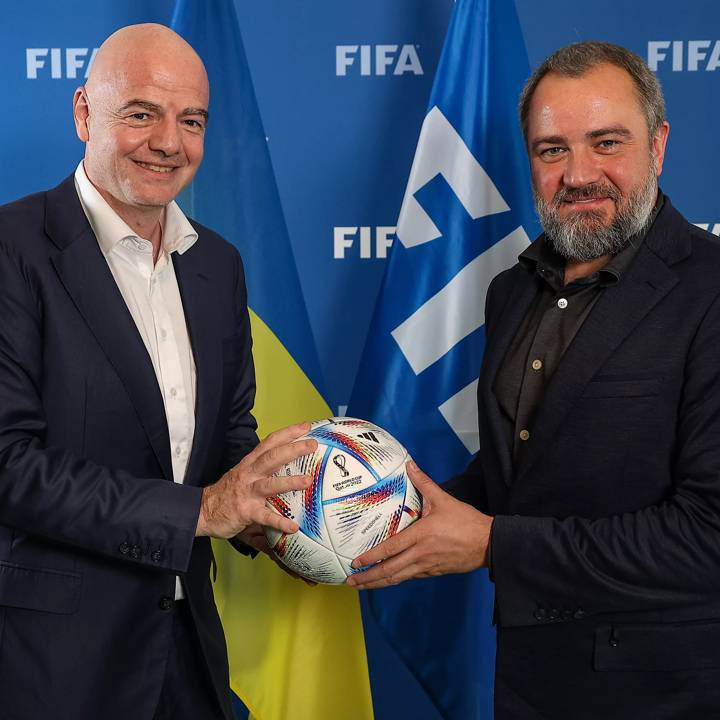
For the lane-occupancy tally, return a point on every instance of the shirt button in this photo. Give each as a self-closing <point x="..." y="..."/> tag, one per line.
<point x="163" y="333"/>
<point x="178" y="450"/>
<point x="524" y="435"/>
<point x="562" y="303"/>
<point x="173" y="392"/>
<point x="536" y="364"/>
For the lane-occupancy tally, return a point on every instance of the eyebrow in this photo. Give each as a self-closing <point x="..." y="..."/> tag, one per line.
<point x="591" y="135"/>
<point x="613" y="130"/>
<point x="196" y="111"/>
<point x="153" y="107"/>
<point x="548" y="140"/>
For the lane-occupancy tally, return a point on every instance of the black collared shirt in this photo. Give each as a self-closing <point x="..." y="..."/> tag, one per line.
<point x="552" y="321"/>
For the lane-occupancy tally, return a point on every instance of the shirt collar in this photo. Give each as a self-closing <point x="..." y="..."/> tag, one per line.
<point x="541" y="259"/>
<point x="110" y="229"/>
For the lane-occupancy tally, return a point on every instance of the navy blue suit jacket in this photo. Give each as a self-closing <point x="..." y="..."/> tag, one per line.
<point x="92" y="528"/>
<point x="606" y="541"/>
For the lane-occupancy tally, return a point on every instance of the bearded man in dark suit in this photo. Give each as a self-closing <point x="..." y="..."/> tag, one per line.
<point x="595" y="498"/>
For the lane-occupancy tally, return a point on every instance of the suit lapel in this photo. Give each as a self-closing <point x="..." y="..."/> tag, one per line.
<point x="85" y="274"/>
<point x="198" y="298"/>
<point x="507" y="323"/>
<point x="617" y="312"/>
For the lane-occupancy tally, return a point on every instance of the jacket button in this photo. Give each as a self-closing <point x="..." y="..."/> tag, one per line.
<point x="567" y="614"/>
<point x="135" y="551"/>
<point x="554" y="614"/>
<point x="579" y="614"/>
<point x="166" y="603"/>
<point x="124" y="548"/>
<point x="540" y="614"/>
<point x="156" y="556"/>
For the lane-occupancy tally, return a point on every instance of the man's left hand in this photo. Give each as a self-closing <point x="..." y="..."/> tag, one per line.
<point x="450" y="537"/>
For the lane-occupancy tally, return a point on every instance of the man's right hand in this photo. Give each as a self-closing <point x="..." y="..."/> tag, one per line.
<point x="237" y="499"/>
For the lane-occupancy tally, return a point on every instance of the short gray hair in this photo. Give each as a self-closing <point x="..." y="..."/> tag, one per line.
<point x="579" y="58"/>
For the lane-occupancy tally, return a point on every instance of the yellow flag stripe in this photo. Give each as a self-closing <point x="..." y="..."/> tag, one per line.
<point x="296" y="652"/>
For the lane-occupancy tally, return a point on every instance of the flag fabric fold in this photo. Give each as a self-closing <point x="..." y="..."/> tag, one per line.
<point x="466" y="215"/>
<point x="295" y="651"/>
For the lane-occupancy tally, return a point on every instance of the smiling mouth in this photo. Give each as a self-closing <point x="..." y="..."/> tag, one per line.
<point x="580" y="205"/>
<point x="166" y="169"/>
<point x="580" y="201"/>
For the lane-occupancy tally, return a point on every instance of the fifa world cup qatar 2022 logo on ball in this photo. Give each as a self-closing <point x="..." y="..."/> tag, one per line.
<point x="360" y="495"/>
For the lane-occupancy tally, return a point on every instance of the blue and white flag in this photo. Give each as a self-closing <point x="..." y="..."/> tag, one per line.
<point x="466" y="215"/>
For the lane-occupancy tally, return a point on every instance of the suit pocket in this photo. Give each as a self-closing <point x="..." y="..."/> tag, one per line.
<point x="653" y="647"/>
<point x="619" y="388"/>
<point x="30" y="588"/>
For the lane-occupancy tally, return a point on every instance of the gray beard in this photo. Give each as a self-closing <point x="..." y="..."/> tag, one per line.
<point x="584" y="236"/>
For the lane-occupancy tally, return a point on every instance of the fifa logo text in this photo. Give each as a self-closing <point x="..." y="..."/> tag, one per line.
<point x="680" y="55"/>
<point x="377" y="60"/>
<point x="345" y="238"/>
<point x="58" y="63"/>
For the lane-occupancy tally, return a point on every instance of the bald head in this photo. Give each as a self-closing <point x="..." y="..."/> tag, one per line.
<point x="142" y="50"/>
<point x="142" y="115"/>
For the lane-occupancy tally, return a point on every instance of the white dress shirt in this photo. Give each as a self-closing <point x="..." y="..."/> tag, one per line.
<point x="152" y="296"/>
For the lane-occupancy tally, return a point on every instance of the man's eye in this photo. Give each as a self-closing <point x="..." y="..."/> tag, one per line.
<point x="608" y="144"/>
<point x="551" y="151"/>
<point x="140" y="116"/>
<point x="194" y="124"/>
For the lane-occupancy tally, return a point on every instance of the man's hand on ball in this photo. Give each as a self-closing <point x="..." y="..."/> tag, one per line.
<point x="254" y="536"/>
<point x="237" y="499"/>
<point x="450" y="537"/>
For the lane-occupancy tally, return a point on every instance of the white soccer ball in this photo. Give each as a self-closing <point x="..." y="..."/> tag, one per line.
<point x="360" y="496"/>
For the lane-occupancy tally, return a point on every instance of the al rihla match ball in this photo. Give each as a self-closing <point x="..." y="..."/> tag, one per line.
<point x="360" y="495"/>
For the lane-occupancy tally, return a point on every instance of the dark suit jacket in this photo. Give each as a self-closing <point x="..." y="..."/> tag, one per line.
<point x="92" y="529"/>
<point x="606" y="544"/>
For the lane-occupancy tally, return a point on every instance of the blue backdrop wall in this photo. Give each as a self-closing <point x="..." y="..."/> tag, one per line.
<point x="342" y="87"/>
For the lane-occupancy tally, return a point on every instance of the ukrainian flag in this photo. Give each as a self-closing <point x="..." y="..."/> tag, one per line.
<point x="296" y="652"/>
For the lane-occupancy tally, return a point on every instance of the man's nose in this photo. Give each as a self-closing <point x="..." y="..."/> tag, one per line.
<point x="581" y="168"/>
<point x="165" y="137"/>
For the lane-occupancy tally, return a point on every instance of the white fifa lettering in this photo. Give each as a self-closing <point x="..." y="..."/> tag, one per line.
<point x="383" y="240"/>
<point x="384" y="55"/>
<point x="55" y="64"/>
<point x="344" y="58"/>
<point x="74" y="60"/>
<point x="343" y="238"/>
<point x="34" y="61"/>
<point x="365" y="60"/>
<point x="365" y="245"/>
<point x="408" y="61"/>
<point x="656" y="53"/>
<point x="697" y="51"/>
<point x="441" y="151"/>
